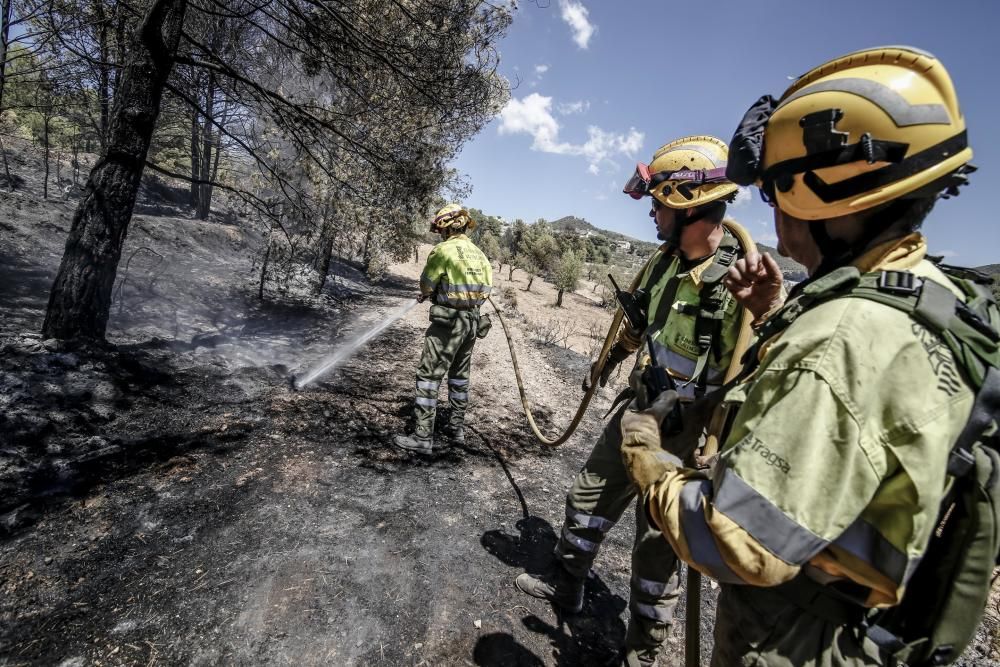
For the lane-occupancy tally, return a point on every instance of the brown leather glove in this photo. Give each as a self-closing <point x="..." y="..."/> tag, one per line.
<point x="642" y="452"/>
<point x="616" y="356"/>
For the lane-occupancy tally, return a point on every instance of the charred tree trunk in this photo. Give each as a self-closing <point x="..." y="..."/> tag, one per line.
<point x="75" y="164"/>
<point x="559" y="299"/>
<point x="531" y="279"/>
<point x="195" y="159"/>
<point x="366" y="254"/>
<point x="5" y="13"/>
<point x="510" y="272"/>
<point x="46" y="122"/>
<point x="204" y="189"/>
<point x="328" y="235"/>
<point x="103" y="72"/>
<point x="81" y="295"/>
<point x="263" y="269"/>
<point x="325" y="257"/>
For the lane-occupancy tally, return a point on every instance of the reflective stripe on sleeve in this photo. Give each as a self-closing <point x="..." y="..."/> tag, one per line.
<point x="589" y="521"/>
<point x="579" y="542"/>
<point x="861" y="539"/>
<point x="772" y="528"/>
<point x="698" y="535"/>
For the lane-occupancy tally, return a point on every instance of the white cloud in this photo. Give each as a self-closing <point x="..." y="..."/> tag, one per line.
<point x="743" y="196"/>
<point x="570" y="108"/>
<point x="575" y="15"/>
<point x="533" y="115"/>
<point x="765" y="233"/>
<point x="541" y="69"/>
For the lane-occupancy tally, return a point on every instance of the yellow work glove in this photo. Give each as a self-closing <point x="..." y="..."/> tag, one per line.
<point x="645" y="459"/>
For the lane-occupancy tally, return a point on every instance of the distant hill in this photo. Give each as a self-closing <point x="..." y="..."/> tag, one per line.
<point x="989" y="269"/>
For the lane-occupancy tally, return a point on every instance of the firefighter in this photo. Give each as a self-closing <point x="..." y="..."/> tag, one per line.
<point x="693" y="322"/>
<point x="457" y="278"/>
<point x="832" y="474"/>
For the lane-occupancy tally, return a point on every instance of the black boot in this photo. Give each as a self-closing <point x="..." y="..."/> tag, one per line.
<point x="557" y="586"/>
<point x="456" y="434"/>
<point x="414" y="443"/>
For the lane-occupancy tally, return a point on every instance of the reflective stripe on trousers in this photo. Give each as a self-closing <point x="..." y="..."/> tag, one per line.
<point x="447" y="350"/>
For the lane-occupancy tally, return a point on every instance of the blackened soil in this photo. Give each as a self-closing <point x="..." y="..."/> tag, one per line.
<point x="227" y="519"/>
<point x="165" y="501"/>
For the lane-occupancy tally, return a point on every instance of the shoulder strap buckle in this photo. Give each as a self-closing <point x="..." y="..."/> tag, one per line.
<point x="899" y="282"/>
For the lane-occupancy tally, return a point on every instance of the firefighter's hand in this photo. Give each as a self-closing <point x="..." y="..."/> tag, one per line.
<point x="602" y="379"/>
<point x="697" y="416"/>
<point x="756" y="283"/>
<point x="645" y="459"/>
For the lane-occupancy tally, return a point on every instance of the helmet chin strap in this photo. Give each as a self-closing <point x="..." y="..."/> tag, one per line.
<point x="838" y="252"/>
<point x="674" y="242"/>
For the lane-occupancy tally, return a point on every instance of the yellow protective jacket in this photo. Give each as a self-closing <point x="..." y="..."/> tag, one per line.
<point x="836" y="459"/>
<point x="457" y="274"/>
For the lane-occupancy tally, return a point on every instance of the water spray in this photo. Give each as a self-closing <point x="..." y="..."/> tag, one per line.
<point x="347" y="349"/>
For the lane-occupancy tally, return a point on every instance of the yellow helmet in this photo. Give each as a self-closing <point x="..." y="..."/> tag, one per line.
<point x="685" y="173"/>
<point x="452" y="215"/>
<point x="862" y="130"/>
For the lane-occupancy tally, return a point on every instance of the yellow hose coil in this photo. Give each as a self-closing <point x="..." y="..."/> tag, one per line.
<point x="609" y="340"/>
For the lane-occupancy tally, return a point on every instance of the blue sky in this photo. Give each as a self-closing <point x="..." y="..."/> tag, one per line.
<point x="601" y="84"/>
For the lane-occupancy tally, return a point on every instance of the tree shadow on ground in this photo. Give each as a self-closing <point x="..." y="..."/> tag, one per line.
<point x="24" y="295"/>
<point x="592" y="637"/>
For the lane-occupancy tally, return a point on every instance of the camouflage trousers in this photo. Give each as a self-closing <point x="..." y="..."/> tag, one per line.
<point x="600" y="494"/>
<point x="448" y="347"/>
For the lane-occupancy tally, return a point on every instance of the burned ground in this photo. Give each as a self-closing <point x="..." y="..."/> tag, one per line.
<point x="170" y="499"/>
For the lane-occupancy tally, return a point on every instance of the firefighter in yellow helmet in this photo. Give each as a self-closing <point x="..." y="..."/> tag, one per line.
<point x="692" y="322"/>
<point x="831" y="477"/>
<point x="457" y="278"/>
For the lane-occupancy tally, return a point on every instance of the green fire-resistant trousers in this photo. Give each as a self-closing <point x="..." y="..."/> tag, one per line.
<point x="755" y="627"/>
<point x="447" y="349"/>
<point x="600" y="494"/>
